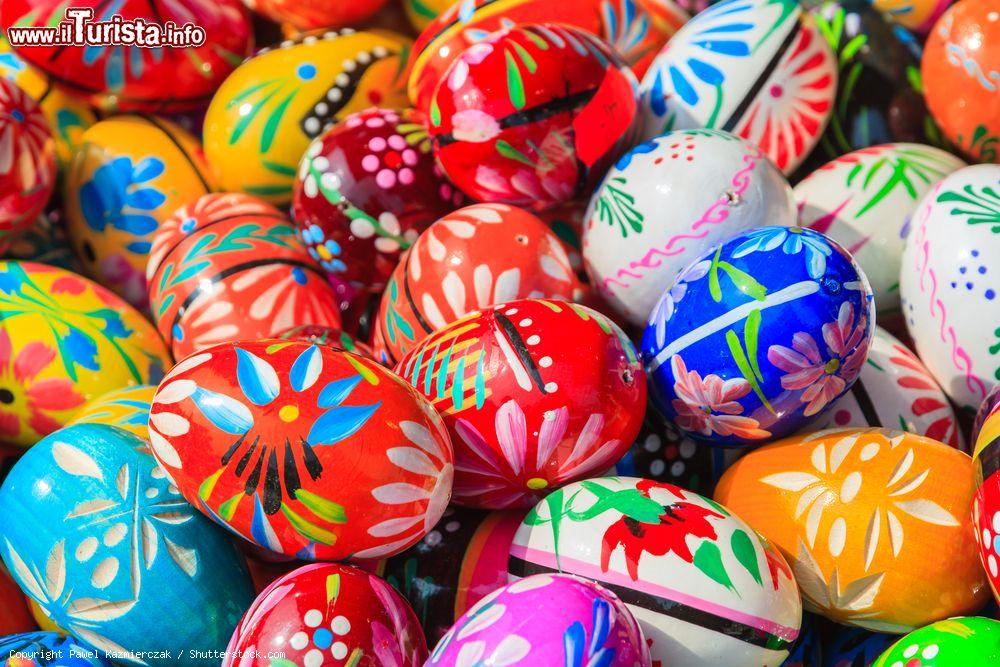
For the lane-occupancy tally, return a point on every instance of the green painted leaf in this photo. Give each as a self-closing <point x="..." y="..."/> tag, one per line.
<point x="751" y="329"/>
<point x="321" y="507"/>
<point x="508" y="151"/>
<point x="746" y="554"/>
<point x="515" y="85"/>
<point x="708" y="559"/>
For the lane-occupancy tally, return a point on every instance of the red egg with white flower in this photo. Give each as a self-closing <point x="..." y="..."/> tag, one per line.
<point x="302" y="449"/>
<point x="535" y="394"/>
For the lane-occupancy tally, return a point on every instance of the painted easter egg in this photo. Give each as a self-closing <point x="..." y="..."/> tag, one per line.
<point x="248" y="431"/>
<point x="856" y="512"/>
<point x="67" y="115"/>
<point x="365" y="190"/>
<point x="508" y="125"/>
<point x="635" y="29"/>
<point x="229" y="266"/>
<point x="757" y="336"/>
<point x="948" y="285"/>
<point x="40" y="649"/>
<point x="527" y="415"/>
<point x="583" y="623"/>
<point x="879" y="95"/>
<point x="328" y="614"/>
<point x="458" y="563"/>
<point x="64" y="341"/>
<point x="27" y="162"/>
<point x="470" y="259"/>
<point x="956" y="642"/>
<point x="666" y="202"/>
<point x="865" y="199"/>
<point x="14" y="614"/>
<point x="136" y="77"/>
<point x="266" y="113"/>
<point x="895" y="390"/>
<point x="704" y="587"/>
<point x="771" y="79"/>
<point x="918" y="15"/>
<point x="127" y="409"/>
<point x="164" y="577"/>
<point x="961" y="75"/>
<point x="338" y="340"/>
<point x="313" y="14"/>
<point x="986" y="508"/>
<point x="663" y="453"/>
<point x="130" y="174"/>
<point x="850" y="646"/>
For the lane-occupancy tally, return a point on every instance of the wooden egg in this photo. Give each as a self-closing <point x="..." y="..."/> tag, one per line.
<point x="948" y="283"/>
<point x="65" y="340"/>
<point x="326" y="614"/>
<point x="27" y="162"/>
<point x="986" y="508"/>
<point x="528" y="411"/>
<point x="127" y="409"/>
<point x="134" y="77"/>
<point x="40" y="649"/>
<point x="713" y="184"/>
<point x="458" y="563"/>
<point x="228" y="267"/>
<point x="961" y="76"/>
<point x="471" y="259"/>
<point x="338" y="340"/>
<point x="918" y="15"/>
<point x="266" y="113"/>
<point x="759" y="69"/>
<point x="857" y="512"/>
<point x="303" y="450"/>
<point x="864" y="200"/>
<point x="100" y="539"/>
<point x="130" y="174"/>
<point x="956" y="642"/>
<point x="704" y="587"/>
<point x="509" y="126"/>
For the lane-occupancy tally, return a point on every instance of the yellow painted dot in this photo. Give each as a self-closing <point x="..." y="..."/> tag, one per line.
<point x="289" y="413"/>
<point x="324" y="252"/>
<point x="536" y="483"/>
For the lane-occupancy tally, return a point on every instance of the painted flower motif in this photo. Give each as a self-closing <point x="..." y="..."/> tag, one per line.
<point x="528" y="185"/>
<point x="509" y="474"/>
<point x="396" y="645"/>
<point x="474" y="126"/>
<point x="391" y="160"/>
<point x="287" y="461"/>
<point x="792" y="241"/>
<point x="22" y="394"/>
<point x="122" y="195"/>
<point x="473" y="55"/>
<point x="23" y="136"/>
<point x="932" y="403"/>
<point x="665" y="308"/>
<point x="325" y="251"/>
<point x="487" y="612"/>
<point x="375" y="121"/>
<point x="581" y="652"/>
<point x="668" y="534"/>
<point x="823" y="379"/>
<point x="711" y="405"/>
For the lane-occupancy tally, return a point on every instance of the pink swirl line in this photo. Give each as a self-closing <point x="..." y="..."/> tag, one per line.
<point x="974" y="383"/>
<point x="716" y="214"/>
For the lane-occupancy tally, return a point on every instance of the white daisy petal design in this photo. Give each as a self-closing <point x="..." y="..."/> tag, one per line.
<point x="480" y="620"/>
<point x="399" y="493"/>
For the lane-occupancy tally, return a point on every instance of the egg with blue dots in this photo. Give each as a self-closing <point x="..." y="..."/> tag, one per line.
<point x="757" y="336"/>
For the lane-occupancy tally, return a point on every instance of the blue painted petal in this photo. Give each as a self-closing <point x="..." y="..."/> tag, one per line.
<point x="260" y="528"/>
<point x="92" y="206"/>
<point x="707" y="73"/>
<point x="338" y="423"/>
<point x="657" y="99"/>
<point x="602" y="658"/>
<point x="225" y="412"/>
<point x="257" y="378"/>
<point x="683" y="88"/>
<point x="306" y="369"/>
<point x="139" y="247"/>
<point x="82" y="349"/>
<point x="727" y="27"/>
<point x="147" y="169"/>
<point x="335" y="392"/>
<point x="146" y="199"/>
<point x="601" y="626"/>
<point x="726" y="47"/>
<point x="573" y="642"/>
<point x="139" y="225"/>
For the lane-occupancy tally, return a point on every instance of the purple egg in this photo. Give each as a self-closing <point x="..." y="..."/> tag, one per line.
<point x="545" y="620"/>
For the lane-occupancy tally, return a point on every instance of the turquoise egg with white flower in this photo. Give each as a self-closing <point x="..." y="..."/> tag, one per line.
<point x="96" y="534"/>
<point x="759" y="335"/>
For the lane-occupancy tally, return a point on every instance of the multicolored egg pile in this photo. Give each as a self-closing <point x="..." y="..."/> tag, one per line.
<point x="591" y="333"/>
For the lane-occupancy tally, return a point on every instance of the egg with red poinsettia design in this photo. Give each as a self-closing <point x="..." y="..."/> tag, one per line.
<point x="304" y="450"/>
<point x="533" y="115"/>
<point x="535" y="394"/>
<point x="365" y="190"/>
<point x="227" y="266"/>
<point x="28" y="166"/>
<point x="328" y="615"/>
<point x="470" y="259"/>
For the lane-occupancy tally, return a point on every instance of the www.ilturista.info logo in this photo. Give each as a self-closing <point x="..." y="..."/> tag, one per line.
<point x="80" y="29"/>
